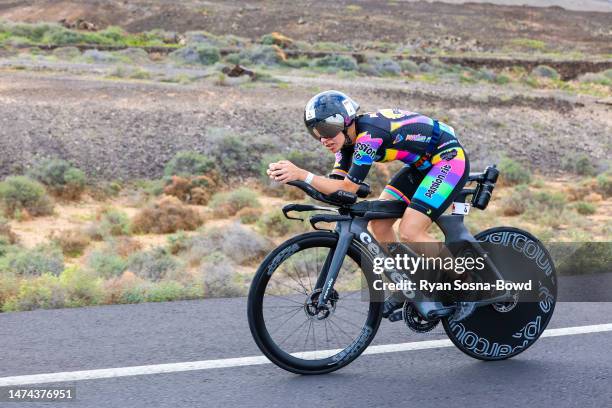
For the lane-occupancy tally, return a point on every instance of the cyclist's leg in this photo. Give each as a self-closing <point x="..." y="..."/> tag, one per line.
<point x="443" y="181"/>
<point x="383" y="228"/>
<point x="402" y="181"/>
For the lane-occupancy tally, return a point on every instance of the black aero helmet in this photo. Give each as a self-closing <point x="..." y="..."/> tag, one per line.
<point x="328" y="113"/>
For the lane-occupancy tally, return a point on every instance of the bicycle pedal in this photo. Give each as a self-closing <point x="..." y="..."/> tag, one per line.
<point x="396" y="316"/>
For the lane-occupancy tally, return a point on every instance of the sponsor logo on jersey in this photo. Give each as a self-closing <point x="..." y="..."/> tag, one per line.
<point x="398" y="138"/>
<point x="449" y="155"/>
<point x="365" y="149"/>
<point x="444" y="170"/>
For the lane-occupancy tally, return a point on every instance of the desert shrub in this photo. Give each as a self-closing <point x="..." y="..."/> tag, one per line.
<point x="249" y="215"/>
<point x="186" y="164"/>
<point x="600" y="78"/>
<point x="106" y="263"/>
<point x="113" y="222"/>
<point x="204" y="54"/>
<point x="275" y="224"/>
<point x="151" y="188"/>
<point x="585" y="208"/>
<point x="81" y="287"/>
<point x="536" y="203"/>
<point x="409" y="66"/>
<point x="220" y="279"/>
<point x="337" y="61"/>
<point x="72" y="242"/>
<point x="268" y="55"/>
<point x="300" y="62"/>
<point x="20" y="193"/>
<point x="9" y="287"/>
<point x="237" y="242"/>
<point x="368" y="69"/>
<point x="178" y="242"/>
<point x="226" y="204"/>
<point x="153" y="265"/>
<point x="239" y="152"/>
<point x="581" y="165"/>
<point x="544" y="71"/>
<point x="604" y="183"/>
<point x="168" y="290"/>
<point x="127" y="288"/>
<point x="6" y="233"/>
<point x="123" y="246"/>
<point x="60" y="177"/>
<point x="194" y="190"/>
<point x="42" y="292"/>
<point x="276" y="38"/>
<point x="165" y="216"/>
<point x="386" y="67"/>
<point x="66" y="53"/>
<point x="33" y="262"/>
<point x="512" y="172"/>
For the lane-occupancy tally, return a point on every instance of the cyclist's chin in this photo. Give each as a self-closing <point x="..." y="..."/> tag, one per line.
<point x="333" y="148"/>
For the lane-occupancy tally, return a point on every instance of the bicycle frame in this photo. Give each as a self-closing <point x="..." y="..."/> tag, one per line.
<point x="349" y="229"/>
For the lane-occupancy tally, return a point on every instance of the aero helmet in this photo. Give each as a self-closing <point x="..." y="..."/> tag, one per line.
<point x="329" y="113"/>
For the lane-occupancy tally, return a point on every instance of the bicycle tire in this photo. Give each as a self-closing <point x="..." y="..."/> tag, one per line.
<point x="489" y="335"/>
<point x="255" y="312"/>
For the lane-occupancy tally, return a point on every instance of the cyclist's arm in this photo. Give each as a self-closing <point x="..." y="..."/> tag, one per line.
<point x="328" y="186"/>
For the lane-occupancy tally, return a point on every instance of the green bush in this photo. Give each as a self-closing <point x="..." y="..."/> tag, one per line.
<point x="544" y="71"/>
<point x="241" y="244"/>
<point x="33" y="262"/>
<point x="42" y="292"/>
<point x="187" y="164"/>
<point x="177" y="242"/>
<point x="386" y="67"/>
<point x="583" y="166"/>
<point x="267" y="55"/>
<point x="275" y="224"/>
<point x="18" y="193"/>
<point x="585" y="208"/>
<point x="106" y="263"/>
<point x="204" y="54"/>
<point x="153" y="265"/>
<point x="220" y="279"/>
<point x="512" y="172"/>
<point x="114" y="223"/>
<point x="60" y="177"/>
<point x="226" y="204"/>
<point x="409" y="66"/>
<point x="535" y="204"/>
<point x="239" y="152"/>
<point x="341" y="62"/>
<point x="81" y="286"/>
<point x="169" y="290"/>
<point x="604" y="183"/>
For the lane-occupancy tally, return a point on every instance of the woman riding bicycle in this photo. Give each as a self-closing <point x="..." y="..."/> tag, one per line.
<point x="436" y="165"/>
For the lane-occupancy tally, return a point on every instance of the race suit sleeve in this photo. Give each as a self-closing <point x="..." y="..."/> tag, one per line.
<point x="343" y="163"/>
<point x="366" y="148"/>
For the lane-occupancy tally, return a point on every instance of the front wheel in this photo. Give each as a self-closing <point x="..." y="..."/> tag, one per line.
<point x="283" y="317"/>
<point x="503" y="330"/>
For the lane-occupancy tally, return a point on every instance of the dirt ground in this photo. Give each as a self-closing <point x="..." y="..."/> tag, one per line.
<point x="123" y="129"/>
<point x="469" y="26"/>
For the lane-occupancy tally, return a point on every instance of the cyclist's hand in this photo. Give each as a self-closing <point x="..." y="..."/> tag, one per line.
<point x="284" y="171"/>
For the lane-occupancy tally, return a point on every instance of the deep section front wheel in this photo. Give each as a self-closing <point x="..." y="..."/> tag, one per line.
<point x="286" y="323"/>
<point x="503" y="330"/>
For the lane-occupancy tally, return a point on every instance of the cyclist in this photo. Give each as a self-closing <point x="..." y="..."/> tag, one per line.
<point x="436" y="165"/>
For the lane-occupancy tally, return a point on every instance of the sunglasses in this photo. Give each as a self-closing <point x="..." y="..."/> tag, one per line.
<point x="328" y="127"/>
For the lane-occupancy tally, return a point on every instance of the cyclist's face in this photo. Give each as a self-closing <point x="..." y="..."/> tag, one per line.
<point x="334" y="144"/>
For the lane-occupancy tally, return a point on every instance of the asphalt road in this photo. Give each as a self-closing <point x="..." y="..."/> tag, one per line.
<point x="564" y="371"/>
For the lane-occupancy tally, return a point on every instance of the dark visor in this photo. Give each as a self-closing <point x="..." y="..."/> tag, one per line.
<point x="328" y="127"/>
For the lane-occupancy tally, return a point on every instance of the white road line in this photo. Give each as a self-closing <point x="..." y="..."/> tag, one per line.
<point x="249" y="361"/>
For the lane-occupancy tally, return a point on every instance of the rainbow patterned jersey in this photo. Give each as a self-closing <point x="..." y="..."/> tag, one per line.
<point x="386" y="135"/>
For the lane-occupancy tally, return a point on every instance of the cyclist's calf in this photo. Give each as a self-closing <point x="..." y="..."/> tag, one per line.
<point x="383" y="230"/>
